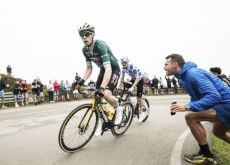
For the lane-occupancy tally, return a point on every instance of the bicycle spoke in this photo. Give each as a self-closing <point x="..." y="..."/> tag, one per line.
<point x="75" y="132"/>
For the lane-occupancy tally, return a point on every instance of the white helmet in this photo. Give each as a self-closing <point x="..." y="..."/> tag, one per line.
<point x="86" y="27"/>
<point x="124" y="60"/>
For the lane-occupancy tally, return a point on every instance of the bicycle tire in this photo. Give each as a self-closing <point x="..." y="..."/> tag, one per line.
<point x="146" y="103"/>
<point x="72" y="138"/>
<point x="126" y="121"/>
<point x="147" y="106"/>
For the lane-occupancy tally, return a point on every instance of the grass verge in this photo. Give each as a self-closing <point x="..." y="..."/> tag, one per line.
<point x="221" y="149"/>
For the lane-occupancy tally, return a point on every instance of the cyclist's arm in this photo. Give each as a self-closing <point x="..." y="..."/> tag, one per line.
<point x="107" y="76"/>
<point x="106" y="61"/>
<point x="122" y="75"/>
<point x="89" y="66"/>
<point x="137" y="74"/>
<point x="87" y="73"/>
<point x="136" y="82"/>
<point x="121" y="80"/>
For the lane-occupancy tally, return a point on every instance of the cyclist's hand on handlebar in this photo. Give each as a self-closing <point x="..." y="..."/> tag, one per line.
<point x="99" y="92"/>
<point x="79" y="83"/>
<point x="118" y="91"/>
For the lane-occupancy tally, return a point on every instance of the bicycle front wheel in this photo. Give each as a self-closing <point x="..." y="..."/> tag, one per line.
<point x="147" y="107"/>
<point x="126" y="119"/>
<point x="78" y="128"/>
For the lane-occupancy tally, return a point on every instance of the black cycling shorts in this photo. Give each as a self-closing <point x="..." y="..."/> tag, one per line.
<point x="113" y="79"/>
<point x="140" y="87"/>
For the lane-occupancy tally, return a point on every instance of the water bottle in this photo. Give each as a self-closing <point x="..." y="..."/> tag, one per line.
<point x="109" y="110"/>
<point x="105" y="108"/>
<point x="110" y="114"/>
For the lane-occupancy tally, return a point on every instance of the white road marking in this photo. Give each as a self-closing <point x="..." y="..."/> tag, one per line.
<point x="175" y="158"/>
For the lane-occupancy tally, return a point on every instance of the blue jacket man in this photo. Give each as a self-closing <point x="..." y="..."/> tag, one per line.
<point x="210" y="101"/>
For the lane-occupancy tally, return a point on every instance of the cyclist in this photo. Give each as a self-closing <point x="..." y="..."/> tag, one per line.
<point x="137" y="81"/>
<point x="100" y="53"/>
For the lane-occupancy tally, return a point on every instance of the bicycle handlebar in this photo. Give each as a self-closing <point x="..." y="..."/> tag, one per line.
<point x="85" y="89"/>
<point x="125" y="91"/>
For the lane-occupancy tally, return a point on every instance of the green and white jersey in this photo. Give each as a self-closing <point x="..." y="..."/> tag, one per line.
<point x="102" y="55"/>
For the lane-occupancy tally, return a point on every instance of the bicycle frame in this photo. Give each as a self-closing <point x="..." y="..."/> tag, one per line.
<point x="91" y="114"/>
<point x="96" y="105"/>
<point x="127" y="98"/>
<point x="136" y="104"/>
<point x="84" y="129"/>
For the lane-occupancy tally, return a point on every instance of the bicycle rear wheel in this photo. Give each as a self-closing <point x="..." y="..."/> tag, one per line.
<point x="126" y="120"/>
<point x="77" y="128"/>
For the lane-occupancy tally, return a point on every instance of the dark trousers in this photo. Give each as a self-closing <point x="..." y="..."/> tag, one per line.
<point x="51" y="95"/>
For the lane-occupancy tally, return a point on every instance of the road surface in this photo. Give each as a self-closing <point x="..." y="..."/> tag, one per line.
<point x="29" y="136"/>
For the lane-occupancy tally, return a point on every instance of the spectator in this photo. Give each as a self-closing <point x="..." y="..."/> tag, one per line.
<point x="35" y="91"/>
<point x="62" y="90"/>
<point x="3" y="85"/>
<point x="74" y="90"/>
<point x="154" y="85"/>
<point x="91" y="84"/>
<point x="67" y="89"/>
<point x="77" y="77"/>
<point x="56" y="90"/>
<point x="40" y="85"/>
<point x="217" y="71"/>
<point x="8" y="70"/>
<point x="169" y="87"/>
<point x="16" y="93"/>
<point x="210" y="101"/>
<point x="174" y="82"/>
<point x="146" y="83"/>
<point x="161" y="91"/>
<point x="24" y="94"/>
<point x="50" y="91"/>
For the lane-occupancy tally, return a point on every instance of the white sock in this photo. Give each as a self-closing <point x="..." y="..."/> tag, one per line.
<point x="119" y="108"/>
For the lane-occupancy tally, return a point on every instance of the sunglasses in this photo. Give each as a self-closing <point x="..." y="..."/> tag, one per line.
<point x="85" y="33"/>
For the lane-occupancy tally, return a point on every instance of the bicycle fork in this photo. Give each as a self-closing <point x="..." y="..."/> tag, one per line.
<point x="85" y="125"/>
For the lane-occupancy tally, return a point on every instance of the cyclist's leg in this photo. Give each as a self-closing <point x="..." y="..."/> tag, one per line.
<point x="100" y="121"/>
<point x="142" y="111"/>
<point x="111" y="87"/>
<point x="110" y="98"/>
<point x="140" y="88"/>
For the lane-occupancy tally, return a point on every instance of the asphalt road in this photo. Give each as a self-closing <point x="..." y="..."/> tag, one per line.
<point x="29" y="136"/>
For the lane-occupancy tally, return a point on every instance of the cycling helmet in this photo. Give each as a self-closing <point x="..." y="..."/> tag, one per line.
<point x="86" y="27"/>
<point x="124" y="60"/>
